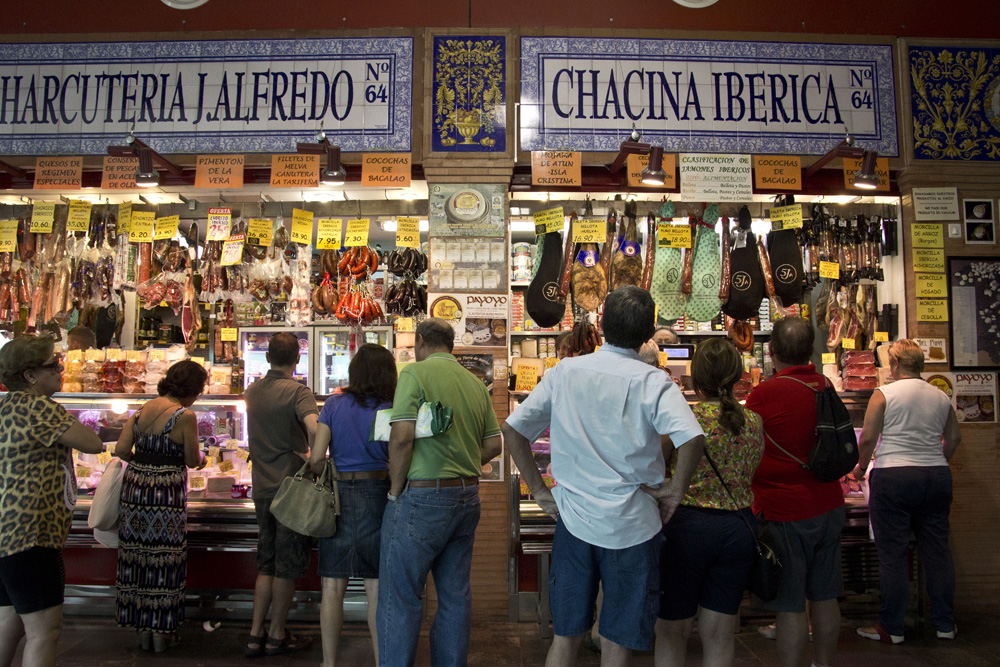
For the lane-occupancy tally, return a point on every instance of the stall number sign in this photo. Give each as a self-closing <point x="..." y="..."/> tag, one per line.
<point x="166" y="227"/>
<point x="78" y="218"/>
<point x="829" y="270"/>
<point x="357" y="233"/>
<point x="328" y="232"/>
<point x="8" y="235"/>
<point x="786" y="217"/>
<point x="673" y="236"/>
<point x="232" y="250"/>
<point x="549" y="220"/>
<point x="42" y="215"/>
<point x="220" y="221"/>
<point x="407" y="232"/>
<point x="590" y="231"/>
<point x="259" y="232"/>
<point x="302" y="227"/>
<point x="141" y="228"/>
<point x="527" y="378"/>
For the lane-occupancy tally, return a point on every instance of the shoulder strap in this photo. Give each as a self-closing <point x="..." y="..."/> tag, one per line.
<point x="789" y="377"/>
<point x="730" y="493"/>
<point x="135" y="424"/>
<point x="170" y="422"/>
<point x="787" y="453"/>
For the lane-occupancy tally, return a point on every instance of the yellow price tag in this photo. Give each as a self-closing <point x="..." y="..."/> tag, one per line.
<point x="357" y="233"/>
<point x="527" y="378"/>
<point x="78" y="218"/>
<point x="590" y="231"/>
<point x="673" y="236"/>
<point x="549" y="220"/>
<point x="114" y="354"/>
<point x="829" y="270"/>
<point x="209" y="461"/>
<point x="141" y="228"/>
<point x="166" y="227"/>
<point x="881" y="337"/>
<point x="82" y="471"/>
<point x="847" y="343"/>
<point x="302" y="227"/>
<point x="157" y="355"/>
<point x="404" y="324"/>
<point x="328" y="231"/>
<point x="197" y="482"/>
<point x="932" y="310"/>
<point x="232" y="250"/>
<point x="104" y="457"/>
<point x="8" y="235"/>
<point x="199" y="360"/>
<point x="408" y="232"/>
<point x="225" y="466"/>
<point x="214" y="451"/>
<point x="229" y="334"/>
<point x="133" y="355"/>
<point x="42" y="215"/>
<point x="94" y="354"/>
<point x="74" y="355"/>
<point x="829" y="358"/>
<point x="259" y="232"/>
<point x="786" y="217"/>
<point x="243" y="454"/>
<point x="232" y="443"/>
<point x="220" y="223"/>
<point x="124" y="217"/>
<point x="550" y="362"/>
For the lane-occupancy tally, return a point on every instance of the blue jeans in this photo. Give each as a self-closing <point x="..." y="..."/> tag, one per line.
<point x="427" y="530"/>
<point x="913" y="498"/>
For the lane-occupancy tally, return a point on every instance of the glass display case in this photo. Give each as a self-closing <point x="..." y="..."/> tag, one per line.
<point x="335" y="346"/>
<point x="253" y="342"/>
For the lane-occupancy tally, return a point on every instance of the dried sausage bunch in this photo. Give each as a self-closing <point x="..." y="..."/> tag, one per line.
<point x="584" y="339"/>
<point x="406" y="260"/>
<point x="325" y="298"/>
<point x="359" y="262"/>
<point x="358" y="305"/>
<point x="406" y="298"/>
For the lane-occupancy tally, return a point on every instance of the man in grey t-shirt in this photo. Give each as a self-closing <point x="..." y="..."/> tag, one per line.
<point x="281" y="423"/>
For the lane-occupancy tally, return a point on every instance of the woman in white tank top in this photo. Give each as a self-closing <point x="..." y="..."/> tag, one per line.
<point x="911" y="490"/>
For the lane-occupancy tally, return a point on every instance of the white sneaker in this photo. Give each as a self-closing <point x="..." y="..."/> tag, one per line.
<point x="948" y="635"/>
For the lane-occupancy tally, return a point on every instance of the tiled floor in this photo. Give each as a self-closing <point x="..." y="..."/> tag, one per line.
<point x="86" y="642"/>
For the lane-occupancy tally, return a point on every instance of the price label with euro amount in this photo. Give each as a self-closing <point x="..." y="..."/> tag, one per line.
<point x="43" y="213"/>
<point x="166" y="227"/>
<point x="588" y="230"/>
<point x="197" y="482"/>
<point x="527" y="378"/>
<point x="141" y="228"/>
<point x="847" y="343"/>
<point x="220" y="220"/>
<point x="408" y="232"/>
<point x="225" y="466"/>
<point x="328" y="232"/>
<point x="232" y="250"/>
<point x="673" y="236"/>
<point x="259" y="232"/>
<point x="124" y="217"/>
<point x="549" y="220"/>
<point x="357" y="233"/>
<point x="829" y="270"/>
<point x="302" y="227"/>
<point x="881" y="337"/>
<point x="829" y="358"/>
<point x="78" y="218"/>
<point x="8" y="235"/>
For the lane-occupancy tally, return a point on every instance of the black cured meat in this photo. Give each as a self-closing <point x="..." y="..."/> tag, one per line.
<point x="746" y="281"/>
<point x="786" y="265"/>
<point x="542" y="301"/>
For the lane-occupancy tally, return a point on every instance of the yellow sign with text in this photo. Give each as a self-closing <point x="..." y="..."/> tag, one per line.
<point x="549" y="220"/>
<point x="166" y="227"/>
<point x="8" y="235"/>
<point x="555" y="168"/>
<point x="634" y="165"/>
<point x="928" y="259"/>
<point x="881" y="337"/>
<point x="932" y="310"/>
<point x="930" y="285"/>
<point x="407" y="232"/>
<point x="385" y="170"/>
<point x="673" y="236"/>
<point x="829" y="357"/>
<point x="777" y="172"/>
<point x="829" y="270"/>
<point x="847" y="343"/>
<point x="220" y="223"/>
<point x="852" y="165"/>
<point x="328" y="232"/>
<point x="786" y="217"/>
<point x="357" y="233"/>
<point x="927" y="236"/>
<point x="42" y="215"/>
<point x="124" y="217"/>
<point x="229" y="334"/>
<point x="302" y="227"/>
<point x="78" y="218"/>
<point x="259" y="232"/>
<point x="404" y="325"/>
<point x="589" y="230"/>
<point x="527" y="378"/>
<point x="141" y="228"/>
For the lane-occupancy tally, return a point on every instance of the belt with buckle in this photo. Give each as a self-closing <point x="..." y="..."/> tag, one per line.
<point x="362" y="474"/>
<point x="451" y="481"/>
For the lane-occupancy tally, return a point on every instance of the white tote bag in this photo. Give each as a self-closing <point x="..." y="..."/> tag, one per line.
<point x="104" y="507"/>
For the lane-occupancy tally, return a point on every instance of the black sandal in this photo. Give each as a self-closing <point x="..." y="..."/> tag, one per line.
<point x="251" y="652"/>
<point x="288" y="644"/>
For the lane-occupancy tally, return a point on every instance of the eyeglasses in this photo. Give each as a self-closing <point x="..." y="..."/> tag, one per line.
<point x="55" y="364"/>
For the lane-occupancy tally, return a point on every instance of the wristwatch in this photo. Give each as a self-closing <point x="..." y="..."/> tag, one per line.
<point x="392" y="497"/>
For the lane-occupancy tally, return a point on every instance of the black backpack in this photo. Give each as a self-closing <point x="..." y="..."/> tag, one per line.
<point x="836" y="450"/>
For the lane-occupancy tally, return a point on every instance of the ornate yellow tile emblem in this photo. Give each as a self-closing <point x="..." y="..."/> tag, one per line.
<point x="469" y="104"/>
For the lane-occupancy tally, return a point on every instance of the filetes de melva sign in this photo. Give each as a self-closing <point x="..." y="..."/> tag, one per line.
<point x="706" y="96"/>
<point x="225" y="96"/>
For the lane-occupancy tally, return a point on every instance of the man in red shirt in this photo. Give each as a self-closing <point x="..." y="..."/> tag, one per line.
<point x="802" y="517"/>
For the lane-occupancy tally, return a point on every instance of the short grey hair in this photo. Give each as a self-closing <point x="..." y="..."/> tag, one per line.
<point x="24" y="353"/>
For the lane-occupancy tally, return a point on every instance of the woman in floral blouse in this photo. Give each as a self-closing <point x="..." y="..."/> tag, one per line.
<point x="706" y="558"/>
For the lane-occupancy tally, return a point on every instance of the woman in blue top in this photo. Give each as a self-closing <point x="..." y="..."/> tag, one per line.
<point x="345" y="428"/>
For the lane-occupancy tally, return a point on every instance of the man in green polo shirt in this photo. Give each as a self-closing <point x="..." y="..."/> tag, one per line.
<point x="430" y="521"/>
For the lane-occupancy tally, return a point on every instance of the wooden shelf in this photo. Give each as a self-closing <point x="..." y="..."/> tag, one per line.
<point x="544" y="334"/>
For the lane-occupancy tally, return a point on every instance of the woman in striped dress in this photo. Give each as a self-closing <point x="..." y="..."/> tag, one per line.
<point x="159" y="441"/>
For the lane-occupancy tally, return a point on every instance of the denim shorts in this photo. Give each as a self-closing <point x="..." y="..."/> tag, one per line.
<point x="281" y="552"/>
<point x="809" y="551"/>
<point x="705" y="561"/>
<point x="354" y="550"/>
<point x="631" y="581"/>
<point x="32" y="580"/>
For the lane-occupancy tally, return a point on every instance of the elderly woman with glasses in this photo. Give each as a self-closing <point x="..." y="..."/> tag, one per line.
<point x="37" y="496"/>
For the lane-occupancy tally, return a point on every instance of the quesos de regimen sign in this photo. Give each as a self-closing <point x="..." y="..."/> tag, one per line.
<point x="196" y="96"/>
<point x="706" y="96"/>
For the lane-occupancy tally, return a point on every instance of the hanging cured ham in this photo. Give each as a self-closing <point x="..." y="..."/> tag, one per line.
<point x="703" y="304"/>
<point x="746" y="283"/>
<point x="626" y="266"/>
<point x="665" y="286"/>
<point x="542" y="300"/>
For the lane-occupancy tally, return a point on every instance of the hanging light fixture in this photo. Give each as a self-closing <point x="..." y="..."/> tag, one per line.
<point x="146" y="176"/>
<point x="867" y="176"/>
<point x="334" y="173"/>
<point x="653" y="174"/>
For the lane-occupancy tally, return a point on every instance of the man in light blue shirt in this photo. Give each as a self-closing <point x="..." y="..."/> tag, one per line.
<point x="611" y="418"/>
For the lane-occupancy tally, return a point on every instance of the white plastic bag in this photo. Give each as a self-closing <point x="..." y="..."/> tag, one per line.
<point x="104" y="508"/>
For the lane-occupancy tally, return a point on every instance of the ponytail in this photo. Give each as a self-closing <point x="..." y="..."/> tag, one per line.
<point x="730" y="411"/>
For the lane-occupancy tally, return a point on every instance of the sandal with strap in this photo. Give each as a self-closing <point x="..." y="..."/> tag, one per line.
<point x="287" y="644"/>
<point x="255" y="646"/>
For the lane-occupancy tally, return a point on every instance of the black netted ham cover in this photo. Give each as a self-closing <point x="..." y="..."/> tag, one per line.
<point x="786" y="265"/>
<point x="542" y="301"/>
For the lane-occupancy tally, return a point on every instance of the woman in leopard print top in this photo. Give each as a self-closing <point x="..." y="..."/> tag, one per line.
<point x="37" y="495"/>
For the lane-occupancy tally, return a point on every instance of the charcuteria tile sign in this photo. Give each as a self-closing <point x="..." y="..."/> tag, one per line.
<point x="219" y="96"/>
<point x="706" y="96"/>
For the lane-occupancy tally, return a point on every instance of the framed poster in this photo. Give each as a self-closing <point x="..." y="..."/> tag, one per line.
<point x="974" y="312"/>
<point x="979" y="222"/>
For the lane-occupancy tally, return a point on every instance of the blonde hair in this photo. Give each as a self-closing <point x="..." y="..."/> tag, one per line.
<point x="908" y="355"/>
